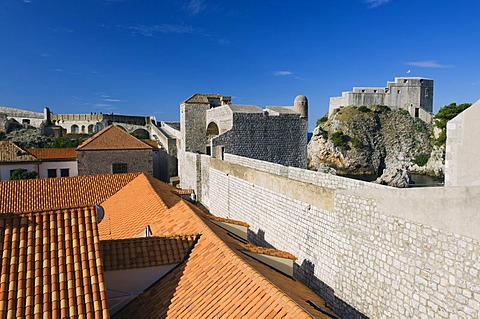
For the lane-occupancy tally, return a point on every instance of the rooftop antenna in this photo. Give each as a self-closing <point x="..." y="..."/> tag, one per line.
<point x="100" y="212"/>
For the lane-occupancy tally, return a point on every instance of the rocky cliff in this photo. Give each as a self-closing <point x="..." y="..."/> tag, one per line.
<point x="375" y="140"/>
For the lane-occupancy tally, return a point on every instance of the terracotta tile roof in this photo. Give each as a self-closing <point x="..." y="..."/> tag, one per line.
<point x="268" y="251"/>
<point x="10" y="152"/>
<point x="139" y="196"/>
<point x="53" y="153"/>
<point x="52" y="193"/>
<point x="214" y="281"/>
<point x="51" y="266"/>
<point x="113" y="138"/>
<point x="144" y="252"/>
<point x="151" y="143"/>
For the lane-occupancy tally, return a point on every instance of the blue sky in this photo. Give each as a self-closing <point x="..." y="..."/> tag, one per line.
<point x="144" y="57"/>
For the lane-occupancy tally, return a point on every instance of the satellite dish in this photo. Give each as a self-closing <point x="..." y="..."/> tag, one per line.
<point x="100" y="212"/>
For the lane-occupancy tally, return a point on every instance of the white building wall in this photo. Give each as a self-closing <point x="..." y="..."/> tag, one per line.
<point x="5" y="169"/>
<point x="72" y="166"/>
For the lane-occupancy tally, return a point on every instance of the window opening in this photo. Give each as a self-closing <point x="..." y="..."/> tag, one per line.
<point x="51" y="173"/>
<point x="118" y="168"/>
<point x="64" y="172"/>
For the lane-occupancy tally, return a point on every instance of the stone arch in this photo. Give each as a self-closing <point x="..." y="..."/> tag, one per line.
<point x="119" y="126"/>
<point x="142" y="132"/>
<point x="212" y="129"/>
<point x="74" y="129"/>
<point x="90" y="129"/>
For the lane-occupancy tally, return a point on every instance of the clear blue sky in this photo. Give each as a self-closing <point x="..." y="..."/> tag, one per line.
<point x="145" y="57"/>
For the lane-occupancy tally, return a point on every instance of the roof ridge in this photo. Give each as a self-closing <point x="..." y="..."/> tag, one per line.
<point x="152" y="189"/>
<point x="43" y="211"/>
<point x="91" y="138"/>
<point x="178" y="236"/>
<point x="121" y="139"/>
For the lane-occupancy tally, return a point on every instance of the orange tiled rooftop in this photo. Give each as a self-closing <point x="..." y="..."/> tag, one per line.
<point x="113" y="138"/>
<point x="211" y="276"/>
<point x="53" y="153"/>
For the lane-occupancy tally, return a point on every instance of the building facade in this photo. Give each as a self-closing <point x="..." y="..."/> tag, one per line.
<point x="113" y="150"/>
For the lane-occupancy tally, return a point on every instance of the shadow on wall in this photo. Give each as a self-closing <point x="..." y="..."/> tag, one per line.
<point x="306" y="274"/>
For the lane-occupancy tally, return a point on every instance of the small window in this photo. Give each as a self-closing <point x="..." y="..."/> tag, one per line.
<point x="426" y="92"/>
<point x="208" y="150"/>
<point x="52" y="173"/>
<point x="363" y="91"/>
<point x="417" y="112"/>
<point x="405" y="81"/>
<point x="398" y="91"/>
<point x="374" y="91"/>
<point x="64" y="172"/>
<point x="118" y="168"/>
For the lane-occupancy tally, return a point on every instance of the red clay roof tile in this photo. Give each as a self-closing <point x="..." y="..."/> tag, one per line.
<point x="144" y="252"/>
<point x="53" y="153"/>
<point x="42" y="261"/>
<point x="10" y="152"/>
<point x="52" y="193"/>
<point x="112" y="138"/>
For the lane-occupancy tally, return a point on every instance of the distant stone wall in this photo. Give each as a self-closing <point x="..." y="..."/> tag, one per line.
<point x="100" y="162"/>
<point x="369" y="250"/>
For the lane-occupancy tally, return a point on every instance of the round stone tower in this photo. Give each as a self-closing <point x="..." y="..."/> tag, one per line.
<point x="300" y="105"/>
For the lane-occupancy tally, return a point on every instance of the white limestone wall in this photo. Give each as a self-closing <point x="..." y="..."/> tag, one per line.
<point x="5" y="169"/>
<point x="270" y="215"/>
<point x="304" y="175"/>
<point x="462" y="151"/>
<point x="377" y="251"/>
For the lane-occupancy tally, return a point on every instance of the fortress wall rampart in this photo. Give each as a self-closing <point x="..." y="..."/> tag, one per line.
<point x="386" y="252"/>
<point x="303" y="175"/>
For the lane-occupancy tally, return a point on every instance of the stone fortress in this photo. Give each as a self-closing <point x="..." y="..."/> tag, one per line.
<point x="369" y="250"/>
<point x="409" y="93"/>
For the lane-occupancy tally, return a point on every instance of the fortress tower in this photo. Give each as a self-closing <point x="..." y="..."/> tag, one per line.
<point x="413" y="94"/>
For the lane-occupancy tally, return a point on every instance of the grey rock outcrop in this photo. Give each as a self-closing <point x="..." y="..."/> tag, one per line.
<point x="395" y="177"/>
<point x="363" y="140"/>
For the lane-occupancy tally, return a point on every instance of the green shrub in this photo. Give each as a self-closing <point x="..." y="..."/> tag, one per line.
<point x="63" y="142"/>
<point x="382" y="108"/>
<point x="364" y="108"/>
<point x="421" y="159"/>
<point x="445" y="114"/>
<point x="339" y="139"/>
<point x="21" y="173"/>
<point x="441" y="139"/>
<point x="323" y="119"/>
<point x="356" y="143"/>
<point x="403" y="112"/>
<point x="451" y="110"/>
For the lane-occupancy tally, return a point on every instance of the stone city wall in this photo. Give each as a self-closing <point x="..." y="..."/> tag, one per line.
<point x="279" y="139"/>
<point x="370" y="251"/>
